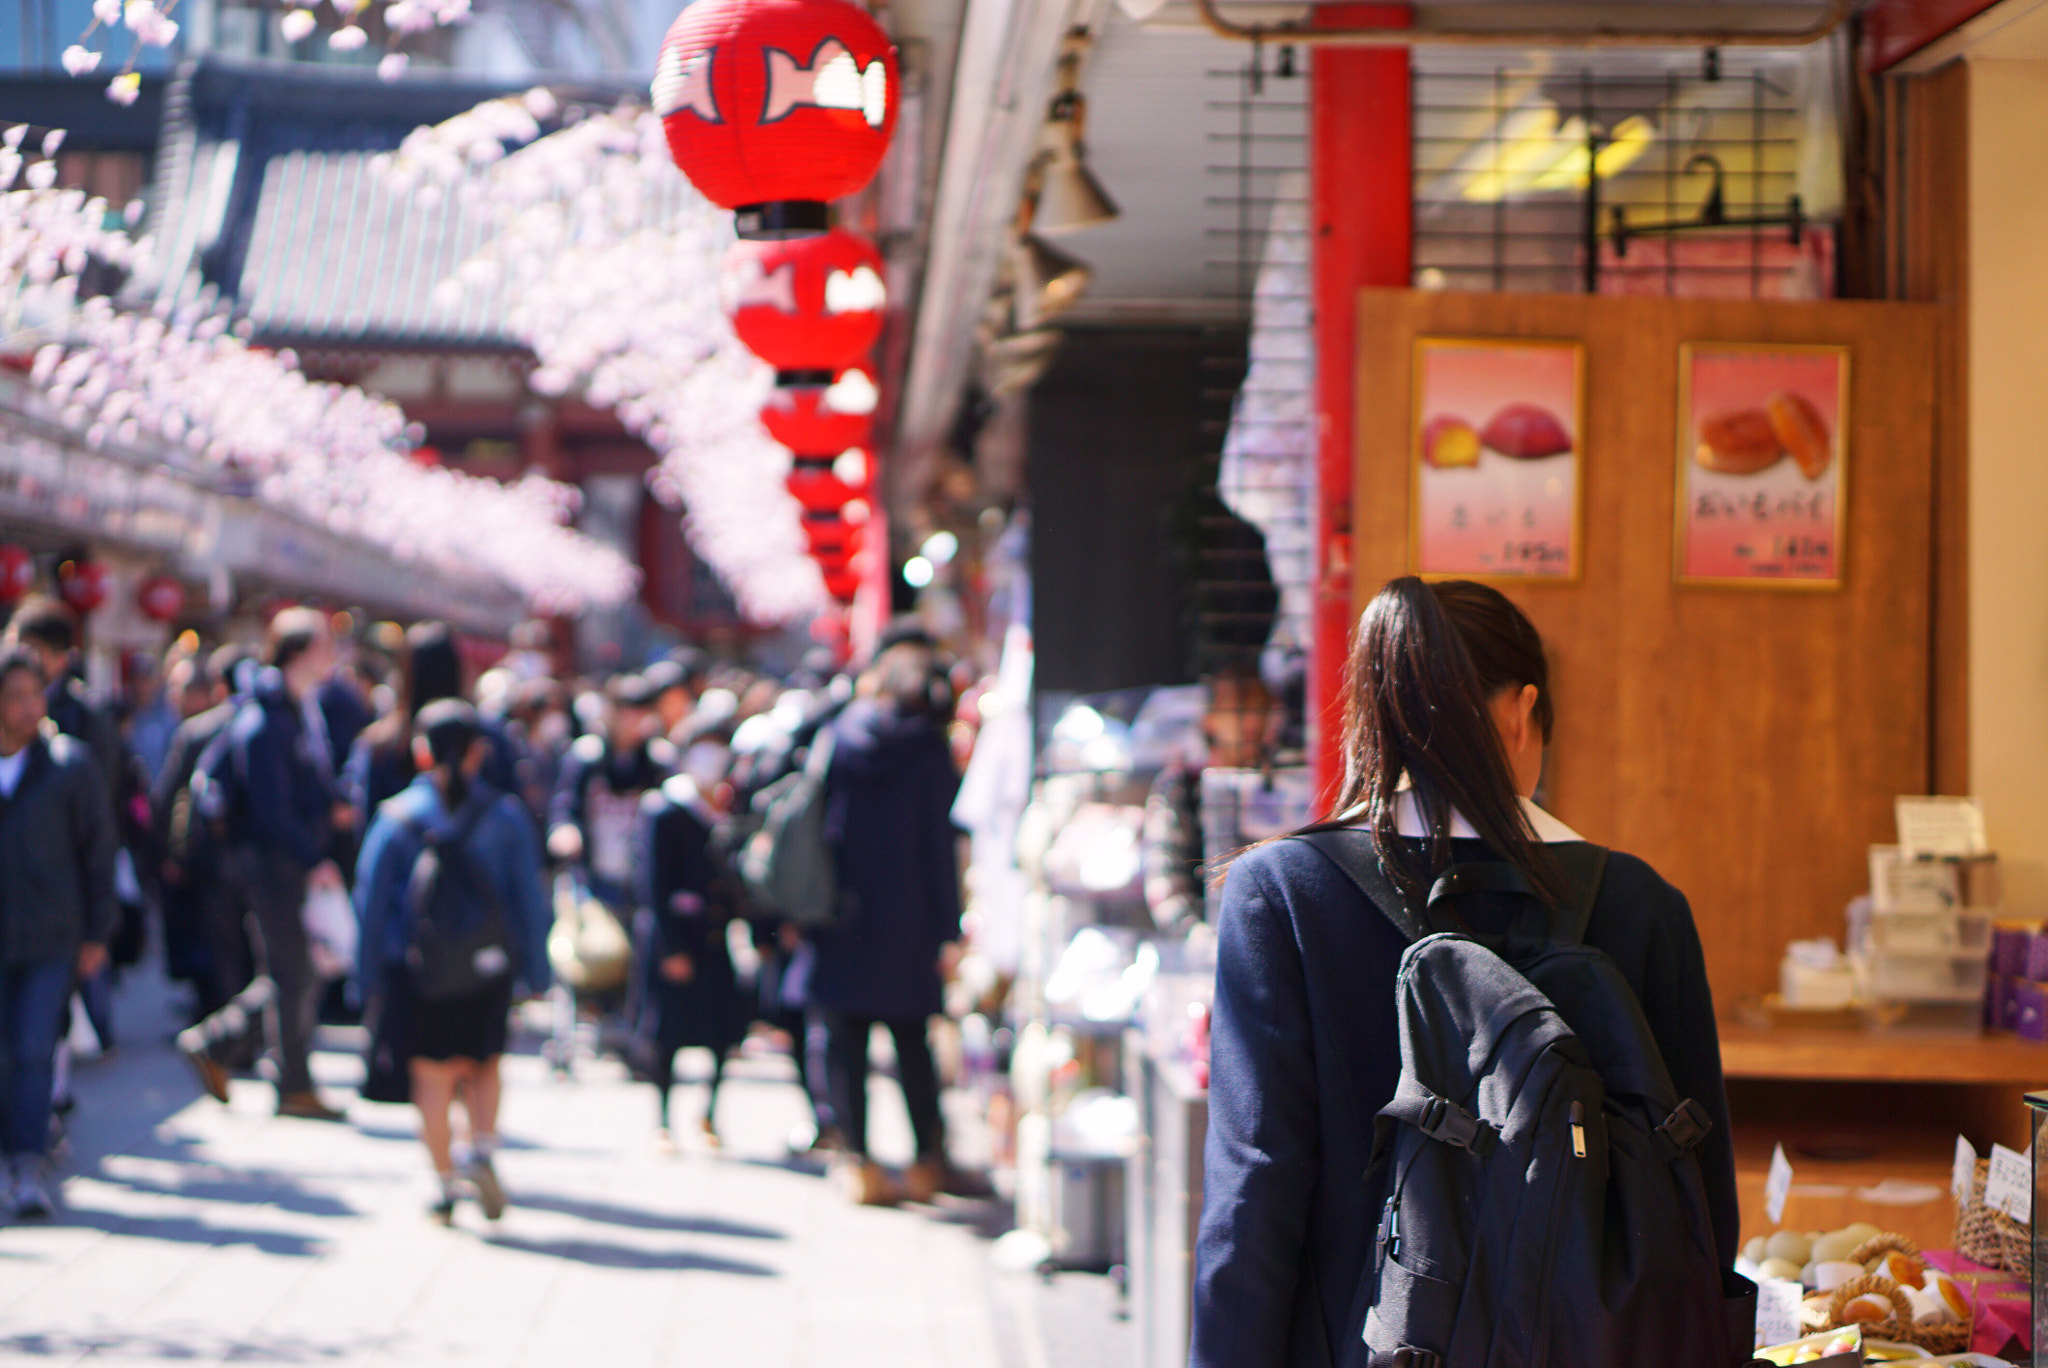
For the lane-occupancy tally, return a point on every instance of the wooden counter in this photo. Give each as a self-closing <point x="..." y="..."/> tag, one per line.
<point x="1877" y="1057"/>
<point x="1869" y="1120"/>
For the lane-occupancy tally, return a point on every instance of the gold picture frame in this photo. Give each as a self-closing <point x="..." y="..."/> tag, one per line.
<point x="1496" y="475"/>
<point x="1761" y="497"/>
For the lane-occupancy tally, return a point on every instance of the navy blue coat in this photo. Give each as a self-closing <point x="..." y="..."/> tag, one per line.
<point x="888" y="818"/>
<point x="1303" y="1054"/>
<point x="288" y="790"/>
<point x="687" y="902"/>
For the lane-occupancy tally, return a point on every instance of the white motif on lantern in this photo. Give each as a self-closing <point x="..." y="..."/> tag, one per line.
<point x="833" y="80"/>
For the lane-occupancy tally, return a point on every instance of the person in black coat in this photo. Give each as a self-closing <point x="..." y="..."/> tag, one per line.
<point x="1304" y="1044"/>
<point x="690" y="996"/>
<point x="57" y="909"/>
<point x="189" y="883"/>
<point x="889" y="800"/>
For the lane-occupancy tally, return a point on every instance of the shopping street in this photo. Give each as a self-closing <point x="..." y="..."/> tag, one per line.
<point x="201" y="1234"/>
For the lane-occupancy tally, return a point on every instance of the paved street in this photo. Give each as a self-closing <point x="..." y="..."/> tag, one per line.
<point x="202" y="1234"/>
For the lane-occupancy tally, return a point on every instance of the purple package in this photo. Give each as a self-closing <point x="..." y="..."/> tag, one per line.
<point x="2009" y="950"/>
<point x="2032" y="1010"/>
<point x="2037" y="956"/>
<point x="1994" y="1001"/>
<point x="2008" y="1003"/>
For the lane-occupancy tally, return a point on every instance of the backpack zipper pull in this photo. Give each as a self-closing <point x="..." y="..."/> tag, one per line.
<point x="1390" y="1232"/>
<point x="1578" y="1130"/>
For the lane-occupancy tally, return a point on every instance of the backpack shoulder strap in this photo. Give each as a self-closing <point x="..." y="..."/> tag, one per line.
<point x="1585" y="864"/>
<point x="1352" y="853"/>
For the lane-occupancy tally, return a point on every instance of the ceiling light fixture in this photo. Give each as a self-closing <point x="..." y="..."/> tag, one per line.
<point x="1069" y="196"/>
<point x="1048" y="281"/>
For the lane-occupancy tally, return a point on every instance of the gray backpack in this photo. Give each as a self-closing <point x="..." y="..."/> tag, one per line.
<point x="787" y="865"/>
<point x="1543" y="1201"/>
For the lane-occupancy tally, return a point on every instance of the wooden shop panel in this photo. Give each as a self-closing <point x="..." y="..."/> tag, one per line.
<point x="1747" y="742"/>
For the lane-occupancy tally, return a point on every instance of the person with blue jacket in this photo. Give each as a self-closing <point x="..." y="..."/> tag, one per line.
<point x="1448" y="712"/>
<point x="450" y="1043"/>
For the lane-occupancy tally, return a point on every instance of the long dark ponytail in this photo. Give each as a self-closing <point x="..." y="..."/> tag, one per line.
<point x="1427" y="661"/>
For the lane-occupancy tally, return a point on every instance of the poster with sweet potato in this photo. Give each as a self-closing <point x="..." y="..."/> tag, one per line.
<point x="1496" y="438"/>
<point x="1760" y="456"/>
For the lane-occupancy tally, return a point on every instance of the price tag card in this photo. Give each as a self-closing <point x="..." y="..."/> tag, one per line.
<point x="1931" y="828"/>
<point x="1777" y="1311"/>
<point x="2010" y="1185"/>
<point x="1777" y="1187"/>
<point x="1965" y="1176"/>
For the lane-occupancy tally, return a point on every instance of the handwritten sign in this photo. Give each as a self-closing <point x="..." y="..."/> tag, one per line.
<point x="1777" y="1311"/>
<point x="1777" y="1186"/>
<point x="1963" y="1181"/>
<point x="1496" y="435"/>
<point x="2010" y="1185"/>
<point x="1761" y="451"/>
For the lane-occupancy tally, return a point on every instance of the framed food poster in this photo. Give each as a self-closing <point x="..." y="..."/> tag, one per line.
<point x="1761" y="458"/>
<point x="1495" y="430"/>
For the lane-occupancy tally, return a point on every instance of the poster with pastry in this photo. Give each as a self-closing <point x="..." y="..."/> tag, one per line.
<point x="1760" y="463"/>
<point x="1495" y="431"/>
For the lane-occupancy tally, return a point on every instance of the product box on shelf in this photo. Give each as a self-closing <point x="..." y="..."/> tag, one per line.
<point x="2012" y="945"/>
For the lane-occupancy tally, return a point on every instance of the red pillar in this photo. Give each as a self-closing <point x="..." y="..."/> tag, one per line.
<point x="1360" y="147"/>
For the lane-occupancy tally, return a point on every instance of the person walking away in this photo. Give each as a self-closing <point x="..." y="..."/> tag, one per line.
<point x="691" y="993"/>
<point x="380" y="765"/>
<point x="454" y="921"/>
<point x="1448" y="713"/>
<point x="189" y="873"/>
<point x="192" y="689"/>
<point x="56" y="912"/>
<point x="890" y="793"/>
<point x="277" y="801"/>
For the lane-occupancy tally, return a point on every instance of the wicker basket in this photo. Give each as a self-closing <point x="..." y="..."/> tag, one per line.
<point x="1894" y="1328"/>
<point x="1950" y="1338"/>
<point x="1989" y="1237"/>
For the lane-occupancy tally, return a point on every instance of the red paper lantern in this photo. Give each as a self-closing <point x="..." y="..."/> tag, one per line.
<point x="161" y="598"/>
<point x="17" y="573"/>
<point x="842" y="585"/>
<point x="83" y="584"/>
<point x="829" y="537"/>
<point x="807" y="420"/>
<point x="807" y="304"/>
<point x="828" y="487"/>
<point x="774" y="107"/>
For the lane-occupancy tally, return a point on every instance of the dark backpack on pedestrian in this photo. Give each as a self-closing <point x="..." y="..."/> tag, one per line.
<point x="460" y="942"/>
<point x="1543" y="1200"/>
<point x="216" y="797"/>
<point x="786" y="866"/>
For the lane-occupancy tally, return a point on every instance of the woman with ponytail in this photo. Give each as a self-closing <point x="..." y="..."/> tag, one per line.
<point x="438" y="1002"/>
<point x="1448" y="709"/>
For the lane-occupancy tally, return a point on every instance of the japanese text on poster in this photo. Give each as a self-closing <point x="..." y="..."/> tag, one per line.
<point x="1761" y="456"/>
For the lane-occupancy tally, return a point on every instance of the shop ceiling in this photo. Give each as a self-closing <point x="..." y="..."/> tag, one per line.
<point x="1162" y="115"/>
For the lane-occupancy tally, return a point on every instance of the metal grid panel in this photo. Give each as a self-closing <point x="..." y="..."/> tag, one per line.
<point x="1503" y="201"/>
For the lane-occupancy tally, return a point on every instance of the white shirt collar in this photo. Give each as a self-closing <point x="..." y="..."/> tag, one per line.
<point x="1408" y="821"/>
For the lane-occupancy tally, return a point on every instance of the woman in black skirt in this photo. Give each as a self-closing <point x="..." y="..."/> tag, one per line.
<point x="446" y="1026"/>
<point x="691" y="994"/>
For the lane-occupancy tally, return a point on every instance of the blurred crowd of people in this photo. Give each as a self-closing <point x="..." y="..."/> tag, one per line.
<point x="328" y="826"/>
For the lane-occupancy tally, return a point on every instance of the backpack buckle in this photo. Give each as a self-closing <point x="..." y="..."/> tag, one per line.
<point x="1443" y="1119"/>
<point x="1687" y="1125"/>
<point x="1409" y="1357"/>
